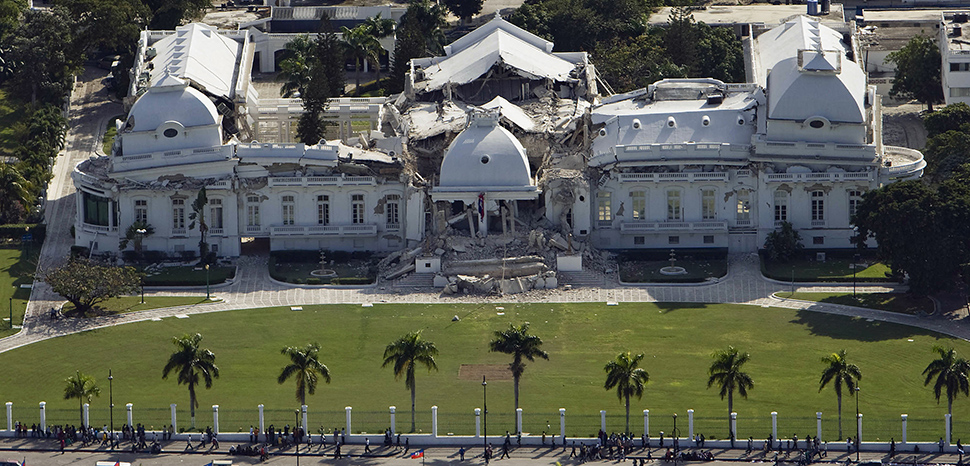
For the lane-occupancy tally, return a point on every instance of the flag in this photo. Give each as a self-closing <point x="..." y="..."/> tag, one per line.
<point x="481" y="206"/>
<point x="418" y="454"/>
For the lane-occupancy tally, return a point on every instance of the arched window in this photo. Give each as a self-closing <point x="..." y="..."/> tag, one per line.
<point x="675" y="211"/>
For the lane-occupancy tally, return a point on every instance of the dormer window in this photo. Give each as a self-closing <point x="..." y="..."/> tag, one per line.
<point x="171" y="132"/>
<point x="817" y="122"/>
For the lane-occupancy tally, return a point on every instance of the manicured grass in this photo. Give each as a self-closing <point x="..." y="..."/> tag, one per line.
<point x="895" y="302"/>
<point x="299" y="272"/>
<point x="16" y="268"/>
<point x="12" y="112"/>
<point x="677" y="339"/>
<point x="698" y="270"/>
<point x="189" y="276"/>
<point x="125" y="304"/>
<point x="832" y="270"/>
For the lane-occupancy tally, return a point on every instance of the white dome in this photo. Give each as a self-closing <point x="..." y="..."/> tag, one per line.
<point x="171" y="99"/>
<point x="485" y="154"/>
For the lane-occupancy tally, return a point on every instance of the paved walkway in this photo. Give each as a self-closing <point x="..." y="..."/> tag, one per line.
<point x="253" y="288"/>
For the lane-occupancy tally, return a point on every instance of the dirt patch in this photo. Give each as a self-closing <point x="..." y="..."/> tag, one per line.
<point x="490" y="371"/>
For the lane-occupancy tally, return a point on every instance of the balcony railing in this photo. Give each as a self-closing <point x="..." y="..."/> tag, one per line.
<point x="322" y="181"/>
<point x="818" y="223"/>
<point x="324" y="230"/>
<point x="658" y="177"/>
<point x="816" y="177"/>
<point x="179" y="231"/>
<point x="646" y="227"/>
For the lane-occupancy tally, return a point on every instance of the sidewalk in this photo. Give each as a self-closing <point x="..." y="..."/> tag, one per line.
<point x="43" y="452"/>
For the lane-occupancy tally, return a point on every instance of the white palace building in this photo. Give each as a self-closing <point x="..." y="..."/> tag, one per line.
<point x="485" y="140"/>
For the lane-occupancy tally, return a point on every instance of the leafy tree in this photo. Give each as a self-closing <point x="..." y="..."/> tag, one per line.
<point x="726" y="372"/>
<point x="681" y="38"/>
<point x="361" y="46"/>
<point x="379" y="28"/>
<point x="136" y="233"/>
<point x="952" y="117"/>
<point x="297" y="58"/>
<point x="306" y="367"/>
<point x="520" y="344"/>
<point x="410" y="44"/>
<point x="464" y="9"/>
<point x="169" y="14"/>
<point x="331" y="54"/>
<point x="42" y="55"/>
<point x="190" y="361"/>
<point x="198" y="216"/>
<point x="625" y="374"/>
<point x="16" y="192"/>
<point x="85" y="283"/>
<point x="404" y="354"/>
<point x="946" y="152"/>
<point x="784" y="244"/>
<point x="429" y="18"/>
<point x="108" y="25"/>
<point x="719" y="54"/>
<point x="583" y="24"/>
<point x="917" y="71"/>
<point x="83" y="387"/>
<point x="839" y="372"/>
<point x="951" y="374"/>
<point x="635" y="63"/>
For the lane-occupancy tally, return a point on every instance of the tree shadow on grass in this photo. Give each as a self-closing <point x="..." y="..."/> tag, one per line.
<point x="856" y="328"/>
<point x="671" y="307"/>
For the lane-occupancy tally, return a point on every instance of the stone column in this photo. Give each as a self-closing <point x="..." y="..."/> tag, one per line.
<point x="348" y="409"/>
<point x="174" y="424"/>
<point x="303" y="414"/>
<point x="562" y="425"/>
<point x="603" y="420"/>
<point x="393" y="410"/>
<point x="215" y="419"/>
<point x="434" y="421"/>
<point x="478" y="422"/>
<point x="734" y="428"/>
<point x="904" y="418"/>
<point x="690" y="426"/>
<point x="646" y="422"/>
<point x="818" y="425"/>
<point x="43" y="416"/>
<point x="774" y="426"/>
<point x="87" y="414"/>
<point x="946" y="420"/>
<point x="262" y="421"/>
<point x="9" y="416"/>
<point x="128" y="407"/>
<point x="518" y="420"/>
<point x="858" y="432"/>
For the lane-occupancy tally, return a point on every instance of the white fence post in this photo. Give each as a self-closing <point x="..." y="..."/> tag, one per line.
<point x="131" y="421"/>
<point x="603" y="420"/>
<point x="818" y="425"/>
<point x="174" y="425"/>
<point x="348" y="409"/>
<point x="43" y="416"/>
<point x="215" y="419"/>
<point x="478" y="422"/>
<point x="734" y="428"/>
<point x="393" y="410"/>
<point x="646" y="422"/>
<point x="562" y="425"/>
<point x="774" y="427"/>
<point x="518" y="420"/>
<point x="434" y="421"/>
<point x="87" y="414"/>
<point x="9" y="416"/>
<point x="946" y="419"/>
<point x="262" y="421"/>
<point x="690" y="425"/>
<point x="904" y="418"/>
<point x="303" y="413"/>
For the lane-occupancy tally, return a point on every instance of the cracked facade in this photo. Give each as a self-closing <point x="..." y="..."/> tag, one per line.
<point x="500" y="148"/>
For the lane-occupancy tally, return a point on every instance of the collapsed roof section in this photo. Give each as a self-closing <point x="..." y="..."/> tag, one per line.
<point x="201" y="54"/>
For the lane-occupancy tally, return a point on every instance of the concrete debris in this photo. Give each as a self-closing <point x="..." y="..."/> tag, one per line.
<point x="490" y="285"/>
<point x="557" y="241"/>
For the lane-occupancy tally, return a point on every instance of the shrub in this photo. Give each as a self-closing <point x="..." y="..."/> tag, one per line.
<point x="16" y="231"/>
<point x="351" y="281"/>
<point x="313" y="281"/>
<point x="784" y="244"/>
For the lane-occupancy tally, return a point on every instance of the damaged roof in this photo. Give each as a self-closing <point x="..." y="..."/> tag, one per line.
<point x="199" y="53"/>
<point x="503" y="45"/>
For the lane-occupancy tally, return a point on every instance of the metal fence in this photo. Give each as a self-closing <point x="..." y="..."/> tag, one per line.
<point x="578" y="424"/>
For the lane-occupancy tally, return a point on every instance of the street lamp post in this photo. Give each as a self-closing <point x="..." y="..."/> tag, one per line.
<point x="207" y="281"/>
<point x="858" y="426"/>
<point x="676" y="437"/>
<point x="484" y="415"/>
<point x="296" y="438"/>
<point x="11" y="313"/>
<point x="111" y="402"/>
<point x="855" y="266"/>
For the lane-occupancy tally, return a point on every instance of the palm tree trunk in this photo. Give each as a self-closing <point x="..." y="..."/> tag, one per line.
<point x="839" y="396"/>
<point x="357" y="76"/>
<point x="412" y="409"/>
<point x="192" y="404"/>
<point x="515" y="388"/>
<point x="80" y="407"/>
<point x="730" y="410"/>
<point x="627" y="413"/>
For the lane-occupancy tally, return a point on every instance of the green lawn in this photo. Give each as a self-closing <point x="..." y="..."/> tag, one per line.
<point x="133" y="303"/>
<point x="698" y="270"/>
<point x="834" y="269"/>
<point x="895" y="302"/>
<point x="16" y="269"/>
<point x="11" y="113"/>
<point x="189" y="276"/>
<point x="677" y="340"/>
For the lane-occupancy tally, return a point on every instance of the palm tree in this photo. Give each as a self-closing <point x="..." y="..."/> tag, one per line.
<point x="726" y="372"/>
<point x="306" y="367"/>
<point x="297" y="59"/>
<point x="517" y="342"/>
<point x="379" y="28"/>
<point x="189" y="361"/>
<point x="83" y="387"/>
<point x="628" y="377"/>
<point x="15" y="189"/>
<point x="361" y="45"/>
<point x="839" y="372"/>
<point x="950" y="372"/>
<point x="405" y="353"/>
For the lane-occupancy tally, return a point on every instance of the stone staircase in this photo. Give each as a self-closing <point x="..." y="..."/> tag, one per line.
<point x="415" y="280"/>
<point x="583" y="278"/>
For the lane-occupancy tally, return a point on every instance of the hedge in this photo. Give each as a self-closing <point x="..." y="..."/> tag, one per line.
<point x="16" y="230"/>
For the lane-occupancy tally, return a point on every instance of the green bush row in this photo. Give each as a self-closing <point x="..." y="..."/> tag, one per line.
<point x="17" y="230"/>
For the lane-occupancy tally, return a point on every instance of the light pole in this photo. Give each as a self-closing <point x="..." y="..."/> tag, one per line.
<point x="855" y="266"/>
<point x="296" y="438"/>
<point x="207" y="282"/>
<point x="111" y="402"/>
<point x="858" y="426"/>
<point x="11" y="313"/>
<point x="674" y="434"/>
<point x="484" y="415"/>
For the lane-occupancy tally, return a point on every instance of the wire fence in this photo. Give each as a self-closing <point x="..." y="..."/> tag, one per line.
<point x="578" y="425"/>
